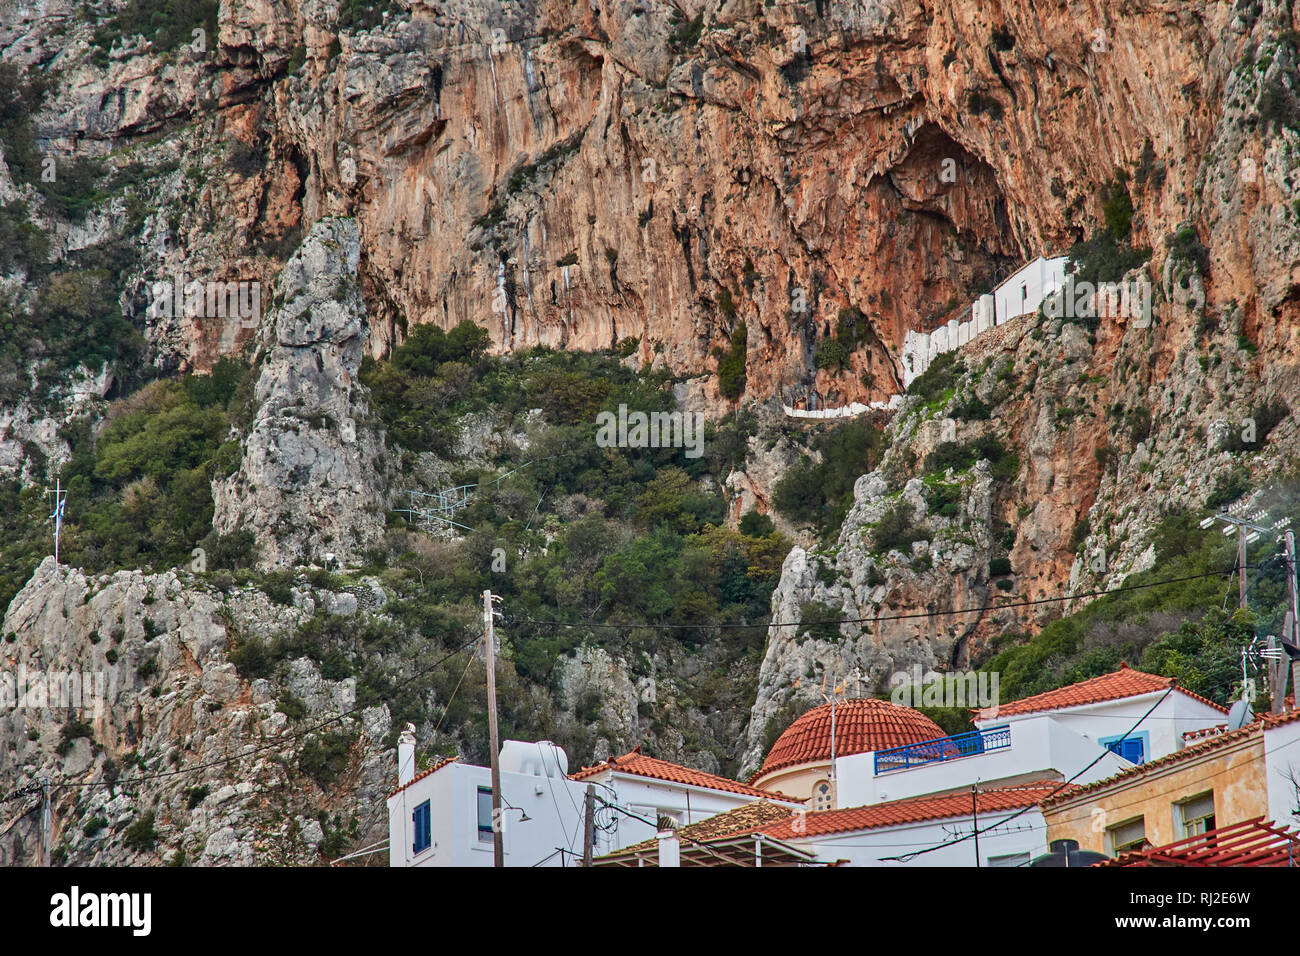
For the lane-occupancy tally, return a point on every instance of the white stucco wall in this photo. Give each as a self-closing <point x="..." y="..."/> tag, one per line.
<point x="1027" y="833"/>
<point x="1024" y="290"/>
<point x="1042" y="747"/>
<point x="554" y="806"/>
<point x="1281" y="764"/>
<point x="452" y="792"/>
<point x="647" y="798"/>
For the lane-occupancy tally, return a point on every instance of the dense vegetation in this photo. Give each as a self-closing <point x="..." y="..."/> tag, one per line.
<point x="67" y="314"/>
<point x="1187" y="629"/>
<point x="566" y="531"/>
<point x="139" y="487"/>
<point x="820" y="492"/>
<point x="573" y="532"/>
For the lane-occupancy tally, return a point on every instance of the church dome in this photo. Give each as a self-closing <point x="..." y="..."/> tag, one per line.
<point x="861" y="725"/>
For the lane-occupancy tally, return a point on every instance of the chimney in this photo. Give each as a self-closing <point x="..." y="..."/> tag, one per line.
<point x="670" y="848"/>
<point x="406" y="756"/>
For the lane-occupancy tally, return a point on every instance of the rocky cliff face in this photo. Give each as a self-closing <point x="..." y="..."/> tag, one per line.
<point x="312" y="477"/>
<point x="580" y="175"/>
<point x="576" y="176"/>
<point x="160" y="736"/>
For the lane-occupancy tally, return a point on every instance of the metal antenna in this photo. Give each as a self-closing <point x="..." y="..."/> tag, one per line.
<point x="60" y="501"/>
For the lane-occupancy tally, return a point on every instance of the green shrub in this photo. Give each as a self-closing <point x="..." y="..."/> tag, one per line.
<point x="938" y="379"/>
<point x="817" y="620"/>
<point x="325" y="756"/>
<point x="167" y="24"/>
<point x="71" y="730"/>
<point x="756" y="525"/>
<point x="896" y="531"/>
<point x="961" y="456"/>
<point x="821" y="493"/>
<point x="1229" y="487"/>
<point x="141" y="835"/>
<point x="731" y="364"/>
<point x="944" y="499"/>
<point x="831" y="354"/>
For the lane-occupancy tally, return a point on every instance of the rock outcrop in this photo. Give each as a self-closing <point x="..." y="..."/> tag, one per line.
<point x="158" y="749"/>
<point x="312" y="480"/>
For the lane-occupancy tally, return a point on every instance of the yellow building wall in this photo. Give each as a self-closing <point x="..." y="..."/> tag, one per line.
<point x="1236" y="777"/>
<point x="797" y="781"/>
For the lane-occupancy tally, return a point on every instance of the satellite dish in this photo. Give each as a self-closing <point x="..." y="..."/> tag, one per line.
<point x="1240" y="715"/>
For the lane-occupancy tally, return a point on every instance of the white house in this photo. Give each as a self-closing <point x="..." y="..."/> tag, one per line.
<point x="877" y="776"/>
<point x="1012" y="831"/>
<point x="648" y="789"/>
<point x="443" y="815"/>
<point x="1048" y="736"/>
<point x="1024" y="290"/>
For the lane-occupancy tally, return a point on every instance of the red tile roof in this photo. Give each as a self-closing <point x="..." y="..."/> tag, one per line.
<point x="912" y="810"/>
<point x="1125" y="682"/>
<point x="1249" y="843"/>
<point x="861" y="725"/>
<point x="442" y="762"/>
<point x="638" y="764"/>
<point x="743" y="819"/>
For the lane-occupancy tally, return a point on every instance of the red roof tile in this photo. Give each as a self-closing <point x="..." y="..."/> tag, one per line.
<point x="1125" y="682"/>
<point x="861" y="725"/>
<point x="912" y="810"/>
<point x="1252" y="842"/>
<point x="424" y="773"/>
<point x="638" y="764"/>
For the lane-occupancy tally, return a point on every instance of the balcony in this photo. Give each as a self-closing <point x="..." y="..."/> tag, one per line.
<point x="944" y="748"/>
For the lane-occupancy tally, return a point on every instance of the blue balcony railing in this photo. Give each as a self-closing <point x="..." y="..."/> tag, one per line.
<point x="943" y="748"/>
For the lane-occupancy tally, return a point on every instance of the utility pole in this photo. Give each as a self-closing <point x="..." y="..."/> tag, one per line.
<point x="589" y="824"/>
<point x="46" y="821"/>
<point x="498" y="849"/>
<point x="1291" y="588"/>
<point x="975" y="819"/>
<point x="1241" y="566"/>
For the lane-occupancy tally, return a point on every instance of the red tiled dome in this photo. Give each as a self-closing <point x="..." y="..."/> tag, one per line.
<point x="861" y="725"/>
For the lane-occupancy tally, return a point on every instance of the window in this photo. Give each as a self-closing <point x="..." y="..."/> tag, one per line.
<point x="1127" y="836"/>
<point x="821" y="796"/>
<point x="1010" y="859"/>
<point x="1196" y="815"/>
<point x="485" y="814"/>
<point x="1132" y="748"/>
<point x="420" y="824"/>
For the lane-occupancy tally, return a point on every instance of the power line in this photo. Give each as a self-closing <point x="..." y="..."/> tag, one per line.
<point x="881" y="617"/>
<point x="1218" y="773"/>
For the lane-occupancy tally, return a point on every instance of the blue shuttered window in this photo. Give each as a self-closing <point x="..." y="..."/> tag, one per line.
<point x="420" y="820"/>
<point x="1130" y="748"/>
